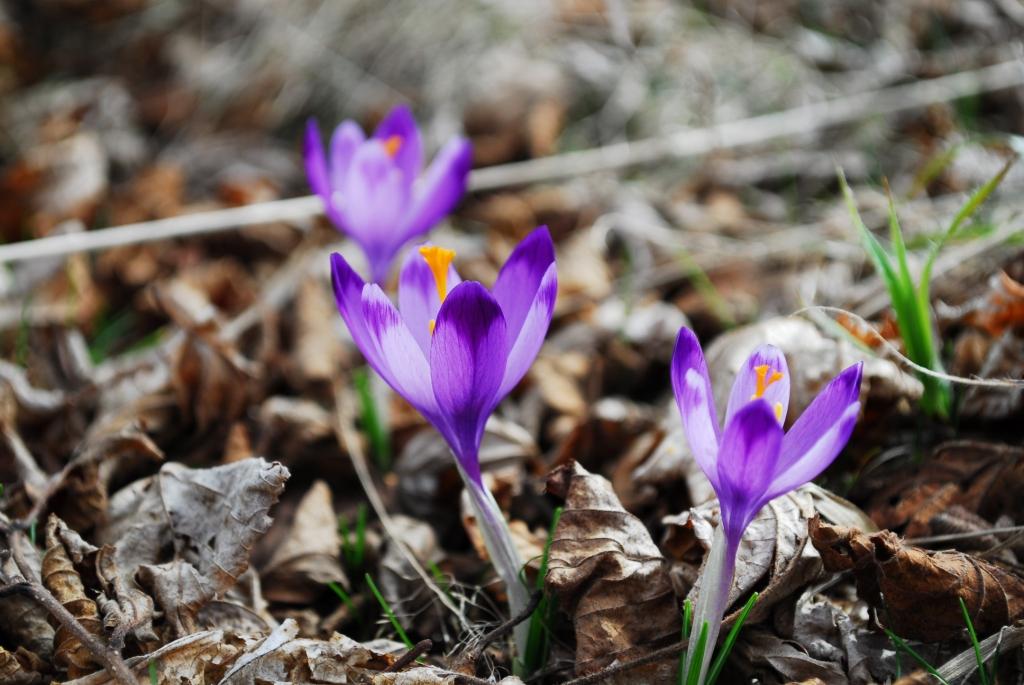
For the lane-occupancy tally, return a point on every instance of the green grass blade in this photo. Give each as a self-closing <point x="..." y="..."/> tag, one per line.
<point x="730" y="640"/>
<point x="387" y="610"/>
<point x="900" y="644"/>
<point x="966" y="212"/>
<point x="153" y="674"/>
<point x="687" y="622"/>
<point x="376" y="431"/>
<point x="538" y="643"/>
<point x="982" y="673"/>
<point x="342" y="595"/>
<point x="698" y="656"/>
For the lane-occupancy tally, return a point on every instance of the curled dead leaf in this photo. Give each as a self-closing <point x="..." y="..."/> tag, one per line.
<point x="65" y="583"/>
<point x="611" y="578"/>
<point x="898" y="580"/>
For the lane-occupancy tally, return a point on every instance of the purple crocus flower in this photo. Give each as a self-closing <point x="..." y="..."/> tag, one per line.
<point x="752" y="460"/>
<point x="454" y="350"/>
<point x="373" y="190"/>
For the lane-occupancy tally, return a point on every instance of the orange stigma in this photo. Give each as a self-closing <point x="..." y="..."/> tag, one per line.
<point x="392" y="144"/>
<point x="439" y="260"/>
<point x="764" y="380"/>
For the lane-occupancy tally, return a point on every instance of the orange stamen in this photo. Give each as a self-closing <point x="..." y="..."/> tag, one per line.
<point x="439" y="260"/>
<point x="392" y="144"/>
<point x="764" y="380"/>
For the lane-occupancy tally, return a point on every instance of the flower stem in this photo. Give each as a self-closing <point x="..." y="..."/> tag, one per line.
<point x="715" y="582"/>
<point x="503" y="555"/>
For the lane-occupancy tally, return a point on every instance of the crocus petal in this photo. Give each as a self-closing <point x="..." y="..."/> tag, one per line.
<point x="692" y="388"/>
<point x="394" y="353"/>
<point x="373" y="201"/>
<point x="534" y="327"/>
<point x="820" y="433"/>
<point x="438" y="191"/>
<point x="467" y="361"/>
<point x="400" y="125"/>
<point x="746" y="465"/>
<point x="345" y="140"/>
<point x="744" y="388"/>
<point x="520" y="278"/>
<point x="316" y="163"/>
<point x="348" y="294"/>
<point x="418" y="300"/>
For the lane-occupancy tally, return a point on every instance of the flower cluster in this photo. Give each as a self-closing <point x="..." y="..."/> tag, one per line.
<point x="454" y="349"/>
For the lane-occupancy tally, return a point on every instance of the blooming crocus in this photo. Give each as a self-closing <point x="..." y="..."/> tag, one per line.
<point x="373" y="189"/>
<point x="752" y="460"/>
<point x="453" y="350"/>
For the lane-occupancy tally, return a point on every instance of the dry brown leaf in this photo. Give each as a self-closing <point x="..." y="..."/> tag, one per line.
<point x="65" y="583"/>
<point x="1002" y="307"/>
<point x="898" y="580"/>
<point x="611" y="578"/>
<point x="317" y="353"/>
<point x="22" y="620"/>
<point x="210" y="517"/>
<point x="15" y="668"/>
<point x="196" y="659"/>
<point x="760" y="649"/>
<point x="773" y="557"/>
<point x="308" y="558"/>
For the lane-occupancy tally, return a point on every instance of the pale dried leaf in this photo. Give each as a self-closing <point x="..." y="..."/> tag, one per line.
<point x="608" y="574"/>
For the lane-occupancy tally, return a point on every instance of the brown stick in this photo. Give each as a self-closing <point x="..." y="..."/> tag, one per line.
<point x="110" y="659"/>
<point x="412" y="655"/>
<point x="615" y="669"/>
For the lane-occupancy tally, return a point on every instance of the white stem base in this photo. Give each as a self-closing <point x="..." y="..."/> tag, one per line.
<point x="715" y="583"/>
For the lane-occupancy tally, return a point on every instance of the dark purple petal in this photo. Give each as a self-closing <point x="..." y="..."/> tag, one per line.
<point x="744" y="388"/>
<point x="373" y="201"/>
<point x="345" y="141"/>
<point x="348" y="294"/>
<point x="692" y="388"/>
<point x="440" y="188"/>
<point x="525" y="347"/>
<point x="400" y="126"/>
<point x="316" y="163"/>
<point x="418" y="300"/>
<point x="467" y="361"/>
<point x="820" y="433"/>
<point x="746" y="465"/>
<point x="520" y="277"/>
<point x="395" y="354"/>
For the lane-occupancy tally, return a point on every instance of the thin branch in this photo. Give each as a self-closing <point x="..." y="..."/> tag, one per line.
<point x="418" y="649"/>
<point x="690" y="143"/>
<point x="615" y="669"/>
<point x="953" y="537"/>
<point x="344" y="413"/>
<point x="472" y="655"/>
<point x="103" y="654"/>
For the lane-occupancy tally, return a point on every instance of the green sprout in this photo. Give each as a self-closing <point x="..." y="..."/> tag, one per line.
<point x="538" y="644"/>
<point x="353" y="543"/>
<point x="372" y="420"/>
<point x="911" y="301"/>
<point x="388" y="612"/>
<point x="720" y="657"/>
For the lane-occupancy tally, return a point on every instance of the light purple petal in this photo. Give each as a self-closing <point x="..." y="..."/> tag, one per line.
<point x="692" y="388"/>
<point x="348" y="294"/>
<point x="520" y="278"/>
<point x="417" y="296"/>
<point x="820" y="433"/>
<point x="345" y="140"/>
<point x="316" y="163"/>
<point x="525" y="347"/>
<point x="401" y="125"/>
<point x="437" y="192"/>
<point x="744" y="388"/>
<point x="467" y="361"/>
<point x="395" y="355"/>
<point x="746" y="465"/>
<point x="374" y="199"/>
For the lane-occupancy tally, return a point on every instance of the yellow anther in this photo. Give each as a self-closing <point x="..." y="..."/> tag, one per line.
<point x="764" y="380"/>
<point x="392" y="144"/>
<point x="778" y="405"/>
<point x="438" y="259"/>
<point x="433" y="324"/>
